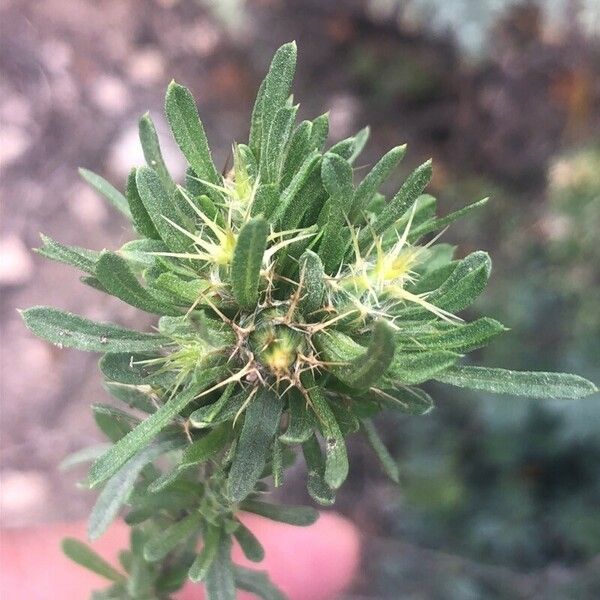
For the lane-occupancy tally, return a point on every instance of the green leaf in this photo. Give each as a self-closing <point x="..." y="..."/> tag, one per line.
<point x="535" y="384"/>
<point x="247" y="260"/>
<point x="370" y="185"/>
<point x="81" y="258"/>
<point x="188" y="132"/>
<point x="385" y="458"/>
<point x="84" y="455"/>
<point x="277" y="466"/>
<point x="336" y="462"/>
<point x="313" y="283"/>
<point x="399" y="204"/>
<point x="299" y="148"/>
<point x="166" y="540"/>
<point x="107" y="190"/>
<point x="160" y="206"/>
<point x="125" y="368"/>
<point x="250" y="546"/>
<point x="437" y="224"/>
<point x="72" y="331"/>
<point x="119" y="487"/>
<point x="118" y="280"/>
<point x="273" y="152"/>
<point x="466" y="282"/>
<point x="412" y="401"/>
<point x="360" y="141"/>
<point x="459" y="338"/>
<point x="130" y="395"/>
<point x="113" y="423"/>
<point x="299" y="194"/>
<point x="205" y="558"/>
<point x="261" y="423"/>
<point x="336" y="174"/>
<point x="365" y="370"/>
<point x="416" y="367"/>
<point x="257" y="583"/>
<point x="353" y="364"/>
<point x="301" y="420"/>
<point x="293" y="515"/>
<point x="318" y="489"/>
<point x="171" y="500"/>
<point x="138" y="255"/>
<point x="152" y="152"/>
<point x="272" y="95"/>
<point x="220" y="584"/>
<point x="224" y="409"/>
<point x="320" y="131"/>
<point x="108" y="464"/>
<point x="83" y="555"/>
<point x="206" y="447"/>
<point x="345" y="418"/>
<point x="141" y="219"/>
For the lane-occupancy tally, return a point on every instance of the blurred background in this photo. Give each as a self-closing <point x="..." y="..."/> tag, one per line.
<point x="500" y="498"/>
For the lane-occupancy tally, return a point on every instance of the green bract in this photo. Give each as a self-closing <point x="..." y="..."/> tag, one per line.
<point x="294" y="306"/>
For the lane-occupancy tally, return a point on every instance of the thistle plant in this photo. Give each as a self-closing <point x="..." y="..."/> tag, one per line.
<point x="294" y="306"/>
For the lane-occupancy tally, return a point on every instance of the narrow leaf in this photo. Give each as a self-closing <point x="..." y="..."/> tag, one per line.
<point x="119" y="487"/>
<point x="261" y="422"/>
<point x="83" y="555"/>
<point x="519" y="383"/>
<point x="204" y="560"/>
<point x="205" y="447"/>
<point x="220" y="584"/>
<point x="399" y="204"/>
<point x="81" y="258"/>
<point x="385" y="458"/>
<point x="247" y="260"/>
<point x="317" y="487"/>
<point x="251" y="547"/>
<point x="160" y="206"/>
<point x="118" y="280"/>
<point x="336" y="467"/>
<point x="72" y="331"/>
<point x="152" y="152"/>
<point x="293" y="515"/>
<point x="313" y="283"/>
<point x="188" y="132"/>
<point x="301" y="420"/>
<point x="122" y="451"/>
<point x="365" y="370"/>
<point x="272" y="95"/>
<point x="257" y="583"/>
<point x="141" y="219"/>
<point x="107" y="190"/>
<point x="159" y="545"/>
<point x="370" y="185"/>
<point x="416" y="367"/>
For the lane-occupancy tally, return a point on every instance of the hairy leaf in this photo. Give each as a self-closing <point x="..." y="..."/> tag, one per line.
<point x="247" y="260"/>
<point x="72" y="331"/>
<point x="107" y="190"/>
<point x="261" y="422"/>
<point x="519" y="383"/>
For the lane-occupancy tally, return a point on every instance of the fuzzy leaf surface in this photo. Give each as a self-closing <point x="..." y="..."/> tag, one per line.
<point x="554" y="386"/>
<point x="73" y="331"/>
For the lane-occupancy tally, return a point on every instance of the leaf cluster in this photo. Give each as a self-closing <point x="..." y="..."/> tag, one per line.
<point x="295" y="304"/>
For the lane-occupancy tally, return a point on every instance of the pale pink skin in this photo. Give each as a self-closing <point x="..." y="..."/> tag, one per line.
<point x="306" y="563"/>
